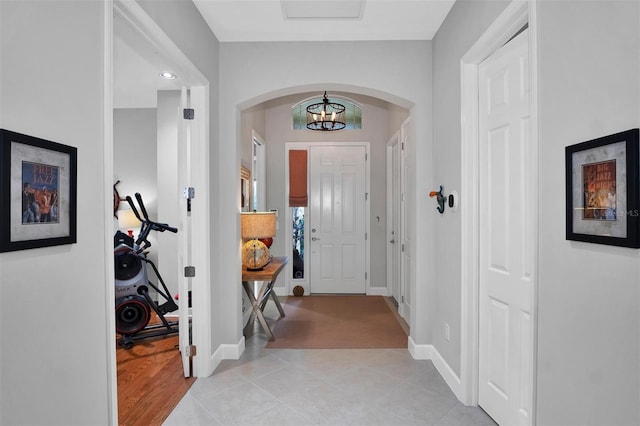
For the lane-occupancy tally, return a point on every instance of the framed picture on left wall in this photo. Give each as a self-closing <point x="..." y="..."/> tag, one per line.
<point x="38" y="191"/>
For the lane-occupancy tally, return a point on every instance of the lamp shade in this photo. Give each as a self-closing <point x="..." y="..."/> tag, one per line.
<point x="258" y="225"/>
<point x="127" y="219"/>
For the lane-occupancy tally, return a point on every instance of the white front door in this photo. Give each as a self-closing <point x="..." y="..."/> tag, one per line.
<point x="506" y="236"/>
<point x="337" y="222"/>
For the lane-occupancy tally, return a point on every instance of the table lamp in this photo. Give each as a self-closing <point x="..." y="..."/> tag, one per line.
<point x="254" y="226"/>
<point x="128" y="221"/>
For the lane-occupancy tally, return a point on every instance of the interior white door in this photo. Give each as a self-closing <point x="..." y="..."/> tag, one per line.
<point x="337" y="225"/>
<point x="404" y="306"/>
<point x="393" y="217"/>
<point x="185" y="238"/>
<point x="506" y="240"/>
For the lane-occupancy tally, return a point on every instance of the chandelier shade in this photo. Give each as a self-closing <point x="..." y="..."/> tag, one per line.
<point x="325" y="115"/>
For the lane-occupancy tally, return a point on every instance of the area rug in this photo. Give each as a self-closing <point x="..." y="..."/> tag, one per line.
<point x="337" y="322"/>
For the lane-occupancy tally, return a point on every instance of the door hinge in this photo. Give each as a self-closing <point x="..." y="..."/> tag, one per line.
<point x="190" y="350"/>
<point x="188" y="113"/>
<point x="366" y="236"/>
<point x="189" y="271"/>
<point x="189" y="194"/>
<point x="366" y="196"/>
<point x="366" y="276"/>
<point x="366" y="157"/>
<point x="402" y="249"/>
<point x="402" y="146"/>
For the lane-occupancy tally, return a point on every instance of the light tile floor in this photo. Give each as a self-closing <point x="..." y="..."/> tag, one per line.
<point x="334" y="387"/>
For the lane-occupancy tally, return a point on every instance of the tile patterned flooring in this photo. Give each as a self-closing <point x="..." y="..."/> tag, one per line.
<point x="336" y="387"/>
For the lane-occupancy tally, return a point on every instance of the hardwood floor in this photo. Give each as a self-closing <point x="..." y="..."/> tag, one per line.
<point x="150" y="381"/>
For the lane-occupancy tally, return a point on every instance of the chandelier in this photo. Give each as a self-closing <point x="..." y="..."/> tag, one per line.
<point x="326" y="115"/>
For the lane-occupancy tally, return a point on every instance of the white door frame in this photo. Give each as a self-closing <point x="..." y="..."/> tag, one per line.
<point x="398" y="139"/>
<point x="289" y="282"/>
<point x="258" y="170"/>
<point x="391" y="247"/>
<point x="513" y="18"/>
<point x="143" y="23"/>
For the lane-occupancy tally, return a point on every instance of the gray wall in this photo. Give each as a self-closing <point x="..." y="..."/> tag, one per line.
<point x="589" y="295"/>
<point x="134" y="155"/>
<point x="54" y="347"/>
<point x="588" y="355"/>
<point x="54" y="343"/>
<point x="464" y="24"/>
<point x="134" y="160"/>
<point x="375" y="129"/>
<point x="276" y="72"/>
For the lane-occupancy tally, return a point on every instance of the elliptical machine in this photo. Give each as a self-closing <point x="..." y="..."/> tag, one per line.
<point x="133" y="303"/>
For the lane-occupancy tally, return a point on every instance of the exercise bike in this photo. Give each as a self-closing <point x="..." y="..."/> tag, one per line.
<point x="133" y="302"/>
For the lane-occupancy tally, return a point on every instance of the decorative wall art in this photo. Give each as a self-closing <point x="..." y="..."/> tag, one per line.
<point x="603" y="190"/>
<point x="37" y="192"/>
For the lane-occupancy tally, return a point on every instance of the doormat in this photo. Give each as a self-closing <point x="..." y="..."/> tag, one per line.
<point x="337" y="322"/>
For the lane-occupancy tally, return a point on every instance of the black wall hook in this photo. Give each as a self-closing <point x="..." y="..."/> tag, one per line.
<point x="440" y="198"/>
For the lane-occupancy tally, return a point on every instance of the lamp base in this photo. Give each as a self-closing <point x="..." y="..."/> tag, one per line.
<point x="260" y="268"/>
<point x="255" y="255"/>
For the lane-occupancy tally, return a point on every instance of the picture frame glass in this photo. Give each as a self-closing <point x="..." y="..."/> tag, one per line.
<point x="599" y="191"/>
<point x="44" y="173"/>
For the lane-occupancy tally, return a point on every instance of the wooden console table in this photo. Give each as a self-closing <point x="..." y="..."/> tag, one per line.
<point x="268" y="276"/>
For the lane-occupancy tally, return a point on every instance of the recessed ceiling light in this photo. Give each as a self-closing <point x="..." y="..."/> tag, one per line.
<point x="168" y="75"/>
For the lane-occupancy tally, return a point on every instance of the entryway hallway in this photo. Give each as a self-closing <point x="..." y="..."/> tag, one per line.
<point x="336" y="387"/>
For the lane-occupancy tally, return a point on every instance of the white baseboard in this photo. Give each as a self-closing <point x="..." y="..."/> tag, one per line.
<point x="431" y="353"/>
<point x="227" y="351"/>
<point x="447" y="373"/>
<point x="419" y="351"/>
<point x="377" y="291"/>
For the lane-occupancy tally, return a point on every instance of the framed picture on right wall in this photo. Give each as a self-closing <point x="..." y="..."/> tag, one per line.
<point x="603" y="190"/>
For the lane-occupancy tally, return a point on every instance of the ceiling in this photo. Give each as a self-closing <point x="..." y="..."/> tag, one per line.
<point x="323" y="20"/>
<point x="138" y="63"/>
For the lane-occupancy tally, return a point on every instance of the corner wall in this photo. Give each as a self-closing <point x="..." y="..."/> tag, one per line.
<point x="275" y="72"/>
<point x="588" y="358"/>
<point x="466" y="22"/>
<point x="54" y="347"/>
<point x="589" y="294"/>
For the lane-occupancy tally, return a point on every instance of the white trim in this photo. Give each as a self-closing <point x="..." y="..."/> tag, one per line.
<point x="514" y="17"/>
<point x="378" y="291"/>
<point x="419" y="351"/>
<point x="228" y="351"/>
<point x="447" y="373"/>
<point x="201" y="240"/>
<point x="429" y="352"/>
<point x="107" y="184"/>
<point x="134" y="14"/>
<point x="405" y="306"/>
<point x="395" y="139"/>
<point x="287" y="216"/>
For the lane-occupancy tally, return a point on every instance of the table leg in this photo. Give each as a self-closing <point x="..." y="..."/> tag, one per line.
<point x="277" y="302"/>
<point x="257" y="308"/>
